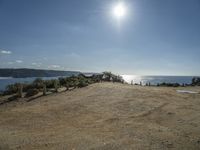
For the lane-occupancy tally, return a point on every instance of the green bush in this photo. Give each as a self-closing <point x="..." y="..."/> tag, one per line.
<point x="49" y="83"/>
<point x="82" y="83"/>
<point x="196" y="81"/>
<point x="108" y="76"/>
<point x="31" y="92"/>
<point x="62" y="81"/>
<point x="169" y="84"/>
<point x="96" y="78"/>
<point x="74" y="81"/>
<point x="12" y="88"/>
<point x="38" y="83"/>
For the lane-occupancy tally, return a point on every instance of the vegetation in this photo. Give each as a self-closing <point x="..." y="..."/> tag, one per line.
<point x="38" y="83"/>
<point x="12" y="88"/>
<point x="79" y="81"/>
<point x="50" y="83"/>
<point x="31" y="92"/>
<point x="169" y="84"/>
<point x="196" y="81"/>
<point x="108" y="76"/>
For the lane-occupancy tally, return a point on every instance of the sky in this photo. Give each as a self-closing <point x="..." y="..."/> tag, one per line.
<point x="155" y="37"/>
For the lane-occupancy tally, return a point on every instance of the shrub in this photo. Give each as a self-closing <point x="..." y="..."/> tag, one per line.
<point x="96" y="78"/>
<point x="32" y="92"/>
<point x="169" y="84"/>
<point x="108" y="76"/>
<point x="72" y="81"/>
<point x="38" y="83"/>
<point x="11" y="89"/>
<point x="49" y="83"/>
<point x="62" y="81"/>
<point x="82" y="83"/>
<point x="196" y="81"/>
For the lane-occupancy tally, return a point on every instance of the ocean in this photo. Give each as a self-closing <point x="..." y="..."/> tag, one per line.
<point x="154" y="80"/>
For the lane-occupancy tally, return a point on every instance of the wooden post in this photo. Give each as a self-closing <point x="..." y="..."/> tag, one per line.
<point x="131" y="82"/>
<point x="44" y="89"/>
<point x="67" y="87"/>
<point x="20" y="92"/>
<point x="56" y="86"/>
<point x="111" y="79"/>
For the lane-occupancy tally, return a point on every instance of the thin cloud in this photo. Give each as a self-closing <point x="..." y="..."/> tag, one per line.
<point x="10" y="63"/>
<point x="5" y="52"/>
<point x="45" y="58"/>
<point x="54" y="66"/>
<point x="73" y="56"/>
<point x="19" y="61"/>
<point x="36" y="64"/>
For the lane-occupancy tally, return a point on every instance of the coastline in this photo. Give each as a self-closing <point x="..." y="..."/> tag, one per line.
<point x="154" y="80"/>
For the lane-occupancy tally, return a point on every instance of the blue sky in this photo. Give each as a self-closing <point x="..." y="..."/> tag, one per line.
<point x="156" y="37"/>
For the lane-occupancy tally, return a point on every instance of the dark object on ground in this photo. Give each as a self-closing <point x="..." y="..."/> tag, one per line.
<point x="15" y="97"/>
<point x="32" y="92"/>
<point x="12" y="98"/>
<point x="169" y="84"/>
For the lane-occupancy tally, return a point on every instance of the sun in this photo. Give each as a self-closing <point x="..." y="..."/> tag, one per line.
<point x="119" y="10"/>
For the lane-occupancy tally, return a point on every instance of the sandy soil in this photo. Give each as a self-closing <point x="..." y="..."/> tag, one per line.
<point x="104" y="116"/>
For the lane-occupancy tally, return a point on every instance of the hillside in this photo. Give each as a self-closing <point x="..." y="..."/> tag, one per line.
<point x="24" y="73"/>
<point x="104" y="116"/>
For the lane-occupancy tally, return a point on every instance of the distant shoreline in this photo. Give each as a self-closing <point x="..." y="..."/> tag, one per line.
<point x="25" y="73"/>
<point x="152" y="80"/>
<point x="3" y="78"/>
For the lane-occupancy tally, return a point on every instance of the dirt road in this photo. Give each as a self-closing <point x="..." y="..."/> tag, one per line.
<point x="104" y="116"/>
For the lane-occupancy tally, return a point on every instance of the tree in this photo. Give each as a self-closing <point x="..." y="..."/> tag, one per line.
<point x="38" y="83"/>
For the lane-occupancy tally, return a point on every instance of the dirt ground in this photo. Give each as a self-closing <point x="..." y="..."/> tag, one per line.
<point x="104" y="116"/>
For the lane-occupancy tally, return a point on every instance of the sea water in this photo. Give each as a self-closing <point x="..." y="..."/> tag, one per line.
<point x="154" y="80"/>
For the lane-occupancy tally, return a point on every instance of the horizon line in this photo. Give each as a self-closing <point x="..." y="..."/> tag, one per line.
<point x="104" y="71"/>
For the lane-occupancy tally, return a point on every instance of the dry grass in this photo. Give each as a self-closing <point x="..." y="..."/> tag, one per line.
<point x="104" y="116"/>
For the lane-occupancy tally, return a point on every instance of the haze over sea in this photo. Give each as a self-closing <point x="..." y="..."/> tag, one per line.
<point x="136" y="79"/>
<point x="154" y="80"/>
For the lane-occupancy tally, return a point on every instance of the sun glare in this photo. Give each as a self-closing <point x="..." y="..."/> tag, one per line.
<point x="119" y="10"/>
